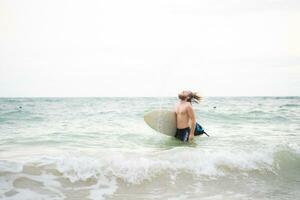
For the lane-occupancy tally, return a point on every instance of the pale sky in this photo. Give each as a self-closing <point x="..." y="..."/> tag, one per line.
<point x="149" y="48"/>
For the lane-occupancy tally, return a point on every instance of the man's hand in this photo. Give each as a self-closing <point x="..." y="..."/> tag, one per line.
<point x="191" y="137"/>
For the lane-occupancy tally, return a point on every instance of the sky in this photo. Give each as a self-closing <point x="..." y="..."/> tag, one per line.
<point x="72" y="48"/>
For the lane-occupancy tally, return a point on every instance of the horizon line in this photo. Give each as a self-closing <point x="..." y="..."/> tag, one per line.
<point x="143" y="96"/>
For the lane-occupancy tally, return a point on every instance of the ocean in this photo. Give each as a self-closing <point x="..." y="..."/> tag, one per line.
<point x="100" y="148"/>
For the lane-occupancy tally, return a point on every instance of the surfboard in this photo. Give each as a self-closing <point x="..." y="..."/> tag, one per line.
<point x="163" y="121"/>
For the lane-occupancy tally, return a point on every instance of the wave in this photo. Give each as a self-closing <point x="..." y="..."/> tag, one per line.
<point x="136" y="168"/>
<point x="103" y="173"/>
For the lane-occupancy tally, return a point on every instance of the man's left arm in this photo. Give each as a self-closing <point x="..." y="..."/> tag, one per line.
<point x="193" y="121"/>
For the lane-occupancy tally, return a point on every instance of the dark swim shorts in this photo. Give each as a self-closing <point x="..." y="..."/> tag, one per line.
<point x="199" y="130"/>
<point x="183" y="134"/>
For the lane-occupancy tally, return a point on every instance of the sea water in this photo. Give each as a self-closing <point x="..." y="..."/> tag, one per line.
<point x="100" y="148"/>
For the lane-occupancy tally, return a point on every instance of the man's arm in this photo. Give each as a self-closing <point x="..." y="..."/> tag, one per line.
<point x="192" y="117"/>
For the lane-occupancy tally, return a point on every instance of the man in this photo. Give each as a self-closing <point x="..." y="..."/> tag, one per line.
<point x="185" y="114"/>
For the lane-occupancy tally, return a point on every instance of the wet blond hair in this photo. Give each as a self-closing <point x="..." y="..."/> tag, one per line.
<point x="192" y="97"/>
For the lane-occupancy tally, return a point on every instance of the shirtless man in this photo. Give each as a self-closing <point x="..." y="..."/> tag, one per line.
<point x="185" y="114"/>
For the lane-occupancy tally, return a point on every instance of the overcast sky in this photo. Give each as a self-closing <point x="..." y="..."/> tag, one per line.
<point x="149" y="48"/>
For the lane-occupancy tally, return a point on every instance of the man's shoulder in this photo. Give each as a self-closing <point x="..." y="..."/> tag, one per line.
<point x="189" y="106"/>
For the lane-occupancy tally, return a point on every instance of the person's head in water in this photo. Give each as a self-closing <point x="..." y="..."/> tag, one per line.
<point x="189" y="96"/>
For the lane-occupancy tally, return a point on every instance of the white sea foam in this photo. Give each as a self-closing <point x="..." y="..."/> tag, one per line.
<point x="104" y="188"/>
<point x="78" y="168"/>
<point x="103" y="170"/>
<point x="137" y="167"/>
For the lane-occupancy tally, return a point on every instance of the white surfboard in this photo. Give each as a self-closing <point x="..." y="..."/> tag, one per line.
<point x="163" y="121"/>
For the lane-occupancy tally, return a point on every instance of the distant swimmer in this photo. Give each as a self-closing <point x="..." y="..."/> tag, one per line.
<point x="185" y="113"/>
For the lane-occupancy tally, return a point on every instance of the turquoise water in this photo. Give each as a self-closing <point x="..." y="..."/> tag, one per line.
<point x="100" y="148"/>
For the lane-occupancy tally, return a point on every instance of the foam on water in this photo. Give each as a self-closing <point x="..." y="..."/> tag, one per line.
<point x="102" y="175"/>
